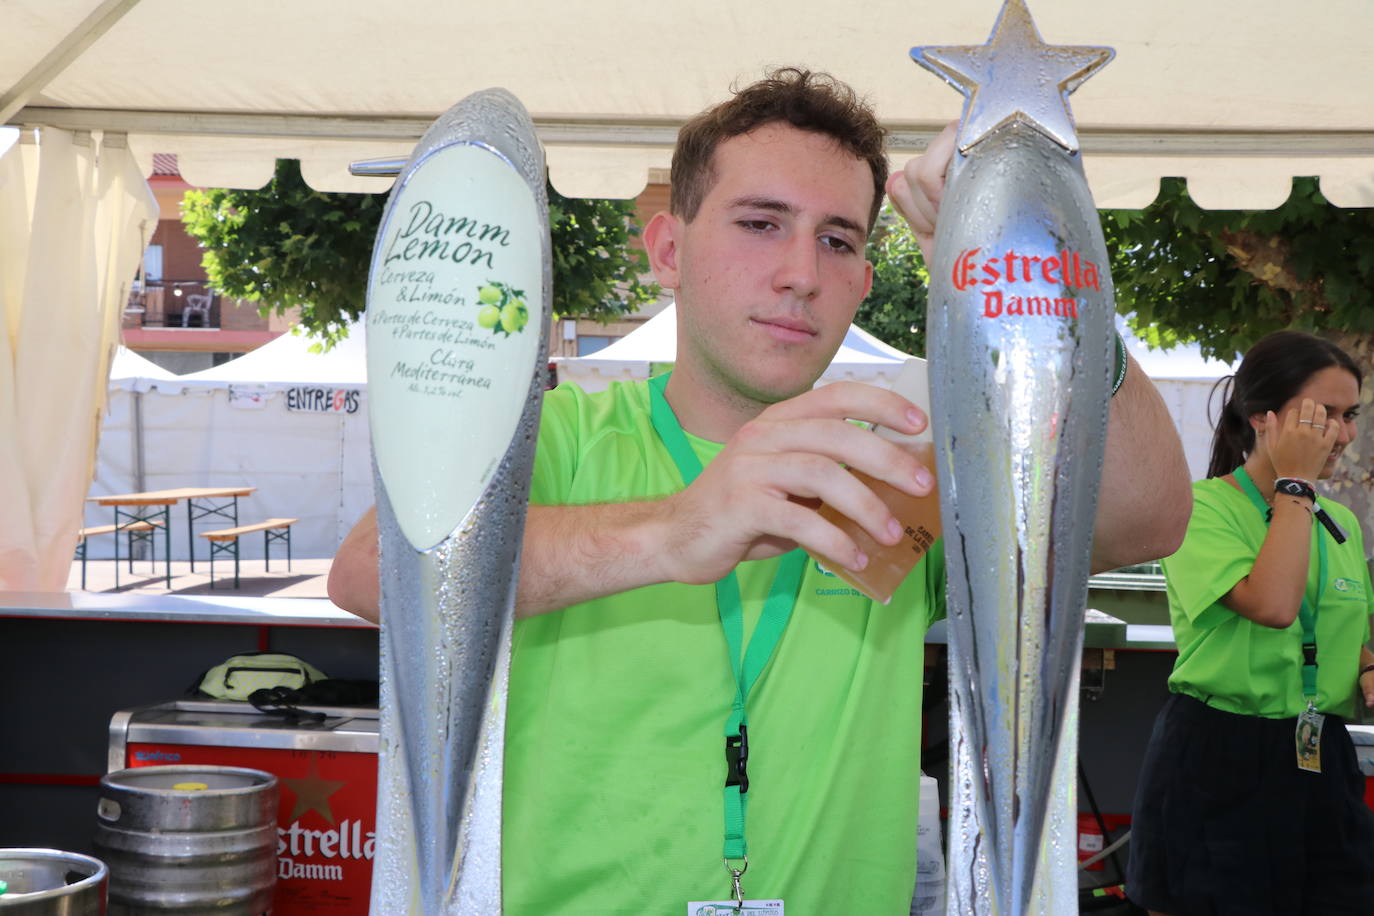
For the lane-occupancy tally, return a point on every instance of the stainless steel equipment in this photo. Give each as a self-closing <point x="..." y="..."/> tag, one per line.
<point x="189" y="839"/>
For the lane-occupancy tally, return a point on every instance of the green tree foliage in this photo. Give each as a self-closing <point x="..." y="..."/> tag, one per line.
<point x="596" y="272"/>
<point x="1225" y="278"/>
<point x="895" y="310"/>
<point x="287" y="245"/>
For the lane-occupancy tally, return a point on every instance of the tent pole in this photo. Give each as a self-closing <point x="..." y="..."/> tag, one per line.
<point x="139" y="485"/>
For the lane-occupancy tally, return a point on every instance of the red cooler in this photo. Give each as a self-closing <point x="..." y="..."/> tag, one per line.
<point x="326" y="826"/>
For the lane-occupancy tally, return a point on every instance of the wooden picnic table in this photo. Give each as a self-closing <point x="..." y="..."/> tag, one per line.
<point x="156" y="505"/>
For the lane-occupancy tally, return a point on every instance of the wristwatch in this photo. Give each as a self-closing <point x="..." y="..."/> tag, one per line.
<point x="1294" y="486"/>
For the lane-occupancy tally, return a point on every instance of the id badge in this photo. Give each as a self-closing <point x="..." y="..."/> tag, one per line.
<point x="1308" y="739"/>
<point x="730" y="908"/>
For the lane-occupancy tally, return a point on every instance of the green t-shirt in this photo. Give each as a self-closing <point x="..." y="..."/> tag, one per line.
<point x="1244" y="667"/>
<point x="615" y="749"/>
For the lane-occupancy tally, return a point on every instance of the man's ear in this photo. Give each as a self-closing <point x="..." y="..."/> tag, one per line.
<point x="661" y="237"/>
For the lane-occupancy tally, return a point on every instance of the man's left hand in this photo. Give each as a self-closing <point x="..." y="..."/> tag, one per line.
<point x="917" y="189"/>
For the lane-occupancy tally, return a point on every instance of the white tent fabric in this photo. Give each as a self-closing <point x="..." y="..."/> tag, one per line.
<point x="18" y="185"/>
<point x="129" y="371"/>
<point x="290" y="422"/>
<point x="861" y="357"/>
<point x="89" y="216"/>
<point x="1237" y="97"/>
<point x="286" y="361"/>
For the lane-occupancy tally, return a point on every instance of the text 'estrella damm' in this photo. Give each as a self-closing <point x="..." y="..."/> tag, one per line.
<point x="1067" y="270"/>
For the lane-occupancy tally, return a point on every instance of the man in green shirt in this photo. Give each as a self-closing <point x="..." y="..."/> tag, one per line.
<point x="622" y="680"/>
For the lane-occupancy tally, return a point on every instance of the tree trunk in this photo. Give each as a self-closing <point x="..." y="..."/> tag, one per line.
<point x="1353" y="482"/>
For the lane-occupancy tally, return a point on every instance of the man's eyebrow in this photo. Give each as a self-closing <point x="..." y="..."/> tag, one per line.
<point x="781" y="206"/>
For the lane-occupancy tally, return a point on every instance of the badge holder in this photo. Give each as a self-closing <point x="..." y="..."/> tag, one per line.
<point x="1308" y="739"/>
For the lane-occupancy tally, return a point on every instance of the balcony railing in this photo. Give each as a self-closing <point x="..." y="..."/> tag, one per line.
<point x="172" y="304"/>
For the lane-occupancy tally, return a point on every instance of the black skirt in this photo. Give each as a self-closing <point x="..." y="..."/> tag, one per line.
<point x="1225" y="824"/>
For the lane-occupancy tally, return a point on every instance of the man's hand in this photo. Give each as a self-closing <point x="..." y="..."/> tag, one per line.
<point x="757" y="499"/>
<point x="916" y="191"/>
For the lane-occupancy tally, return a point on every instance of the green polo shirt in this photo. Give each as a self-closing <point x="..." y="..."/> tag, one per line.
<point x="1240" y="666"/>
<point x="615" y="743"/>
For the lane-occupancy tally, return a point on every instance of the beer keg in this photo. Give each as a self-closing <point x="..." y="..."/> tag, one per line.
<point x="49" y="882"/>
<point x="189" y="840"/>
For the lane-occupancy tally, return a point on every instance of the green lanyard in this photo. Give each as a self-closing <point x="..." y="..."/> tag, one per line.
<point x="1307" y="613"/>
<point x="747" y="664"/>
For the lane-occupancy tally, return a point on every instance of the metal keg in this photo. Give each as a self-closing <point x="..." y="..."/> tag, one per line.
<point x="48" y="882"/>
<point x="189" y="840"/>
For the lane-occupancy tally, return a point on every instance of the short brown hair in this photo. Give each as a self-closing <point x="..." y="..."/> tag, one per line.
<point x="808" y="101"/>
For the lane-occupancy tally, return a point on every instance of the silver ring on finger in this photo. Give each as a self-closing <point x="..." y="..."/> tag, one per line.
<point x="1308" y="422"/>
<point x="1318" y="426"/>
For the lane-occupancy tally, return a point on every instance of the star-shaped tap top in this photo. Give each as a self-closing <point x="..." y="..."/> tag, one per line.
<point x="1015" y="76"/>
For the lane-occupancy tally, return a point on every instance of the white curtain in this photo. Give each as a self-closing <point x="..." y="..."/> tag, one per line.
<point x="74" y="221"/>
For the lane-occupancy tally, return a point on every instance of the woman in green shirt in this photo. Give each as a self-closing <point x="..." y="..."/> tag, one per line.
<point x="1250" y="801"/>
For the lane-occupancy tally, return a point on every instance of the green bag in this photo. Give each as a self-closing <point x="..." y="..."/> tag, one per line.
<point x="239" y="676"/>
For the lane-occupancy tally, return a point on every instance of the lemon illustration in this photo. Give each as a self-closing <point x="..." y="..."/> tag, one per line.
<point x="488" y="315"/>
<point x="489" y="295"/>
<point x="513" y="317"/>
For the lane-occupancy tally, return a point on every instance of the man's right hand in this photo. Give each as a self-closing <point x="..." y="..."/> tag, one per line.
<point x="758" y="498"/>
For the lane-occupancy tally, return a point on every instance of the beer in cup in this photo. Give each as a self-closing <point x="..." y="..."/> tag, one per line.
<point x="919" y="516"/>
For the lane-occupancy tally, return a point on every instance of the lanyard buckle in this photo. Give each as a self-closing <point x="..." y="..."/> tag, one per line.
<point x="1309" y="653"/>
<point x="1336" y="531"/>
<point x="737" y="760"/>
<point x="736" y="891"/>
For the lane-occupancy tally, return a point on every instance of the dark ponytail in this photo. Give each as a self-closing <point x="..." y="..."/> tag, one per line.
<point x="1273" y="371"/>
<point x="1232" y="437"/>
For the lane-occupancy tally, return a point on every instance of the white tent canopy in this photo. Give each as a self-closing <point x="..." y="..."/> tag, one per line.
<point x="1238" y="97"/>
<point x="861" y="357"/>
<point x="283" y="419"/>
<point x="286" y="361"/>
<point x="132" y="372"/>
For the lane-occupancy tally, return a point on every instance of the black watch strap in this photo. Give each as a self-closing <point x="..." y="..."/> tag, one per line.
<point x="1295" y="486"/>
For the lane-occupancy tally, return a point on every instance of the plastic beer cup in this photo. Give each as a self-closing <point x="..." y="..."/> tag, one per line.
<point x="919" y="516"/>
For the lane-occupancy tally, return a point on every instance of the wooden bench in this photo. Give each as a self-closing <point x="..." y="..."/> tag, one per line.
<point x="137" y="531"/>
<point x="226" y="540"/>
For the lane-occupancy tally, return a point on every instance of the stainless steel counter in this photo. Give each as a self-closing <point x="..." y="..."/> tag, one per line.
<point x="1102" y="631"/>
<point x="279" y="612"/>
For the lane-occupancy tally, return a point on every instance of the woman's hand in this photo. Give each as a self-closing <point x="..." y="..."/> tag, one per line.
<point x="1300" y="445"/>
<point x="1365" y="679"/>
<point x="1366" y="682"/>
